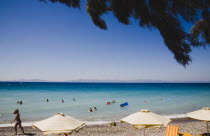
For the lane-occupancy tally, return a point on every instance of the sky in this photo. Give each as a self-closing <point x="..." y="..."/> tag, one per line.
<point x="51" y="42"/>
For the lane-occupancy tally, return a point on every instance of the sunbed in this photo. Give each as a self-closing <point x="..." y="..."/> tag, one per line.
<point x="173" y="131"/>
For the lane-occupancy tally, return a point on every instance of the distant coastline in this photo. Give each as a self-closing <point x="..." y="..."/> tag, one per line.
<point x="117" y="82"/>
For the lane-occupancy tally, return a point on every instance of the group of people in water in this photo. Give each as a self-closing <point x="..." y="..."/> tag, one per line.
<point x="17" y="119"/>
<point x="19" y="102"/>
<point x="90" y="110"/>
<point x="61" y="100"/>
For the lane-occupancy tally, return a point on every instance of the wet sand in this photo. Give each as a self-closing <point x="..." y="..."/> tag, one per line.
<point x="193" y="127"/>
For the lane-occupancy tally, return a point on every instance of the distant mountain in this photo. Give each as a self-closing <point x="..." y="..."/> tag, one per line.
<point x="27" y="80"/>
<point x="118" y="81"/>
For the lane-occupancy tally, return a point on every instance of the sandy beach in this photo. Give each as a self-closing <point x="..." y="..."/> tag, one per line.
<point x="122" y="129"/>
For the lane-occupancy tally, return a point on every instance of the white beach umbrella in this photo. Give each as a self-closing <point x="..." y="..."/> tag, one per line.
<point x="203" y="115"/>
<point x="146" y="119"/>
<point x="59" y="124"/>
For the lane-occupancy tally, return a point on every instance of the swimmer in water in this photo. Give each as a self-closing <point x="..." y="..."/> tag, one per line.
<point x="74" y="99"/>
<point x="95" y="108"/>
<point x="62" y="100"/>
<point x="18" y="121"/>
<point x="21" y="102"/>
<point x="47" y="100"/>
<point x="90" y="110"/>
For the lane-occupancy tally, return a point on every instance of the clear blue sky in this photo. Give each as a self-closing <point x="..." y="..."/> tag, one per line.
<point x="56" y="43"/>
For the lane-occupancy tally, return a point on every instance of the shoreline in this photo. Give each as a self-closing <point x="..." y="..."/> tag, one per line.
<point x="30" y="123"/>
<point x="6" y="123"/>
<point x="187" y="125"/>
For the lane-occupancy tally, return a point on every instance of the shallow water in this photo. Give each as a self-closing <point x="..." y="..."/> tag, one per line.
<point x="178" y="99"/>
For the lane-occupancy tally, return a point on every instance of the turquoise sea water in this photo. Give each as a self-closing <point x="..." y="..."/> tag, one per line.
<point x="179" y="99"/>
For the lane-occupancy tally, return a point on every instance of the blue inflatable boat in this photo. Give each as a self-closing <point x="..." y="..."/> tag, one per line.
<point x="124" y="104"/>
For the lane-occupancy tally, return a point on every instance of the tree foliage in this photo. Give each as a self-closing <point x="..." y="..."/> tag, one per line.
<point x="167" y="16"/>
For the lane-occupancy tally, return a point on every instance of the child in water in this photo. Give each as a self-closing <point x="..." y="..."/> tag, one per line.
<point x="18" y="121"/>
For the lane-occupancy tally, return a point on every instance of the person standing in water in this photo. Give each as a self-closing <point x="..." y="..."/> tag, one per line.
<point x="18" y="121"/>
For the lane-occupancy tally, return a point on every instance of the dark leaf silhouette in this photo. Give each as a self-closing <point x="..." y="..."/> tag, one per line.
<point x="167" y="16"/>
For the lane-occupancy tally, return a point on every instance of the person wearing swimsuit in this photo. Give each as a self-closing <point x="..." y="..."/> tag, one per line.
<point x="18" y="121"/>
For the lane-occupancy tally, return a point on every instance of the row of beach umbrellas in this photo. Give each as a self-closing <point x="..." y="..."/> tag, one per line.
<point x="62" y="124"/>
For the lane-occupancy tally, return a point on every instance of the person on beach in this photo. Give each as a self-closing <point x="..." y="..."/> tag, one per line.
<point x="95" y="108"/>
<point x="90" y="110"/>
<point x="18" y="121"/>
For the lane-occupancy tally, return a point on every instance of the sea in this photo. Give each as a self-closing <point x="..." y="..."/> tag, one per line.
<point x="172" y="100"/>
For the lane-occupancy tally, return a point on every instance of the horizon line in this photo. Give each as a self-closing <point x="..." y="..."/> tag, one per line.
<point x="99" y="82"/>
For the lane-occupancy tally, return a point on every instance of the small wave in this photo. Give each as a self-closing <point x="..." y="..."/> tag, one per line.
<point x="96" y="122"/>
<point x="28" y="124"/>
<point x="25" y="124"/>
<point x="174" y="116"/>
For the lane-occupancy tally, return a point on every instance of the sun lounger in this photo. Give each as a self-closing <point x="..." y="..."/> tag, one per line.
<point x="184" y="134"/>
<point x="204" y="134"/>
<point x="173" y="131"/>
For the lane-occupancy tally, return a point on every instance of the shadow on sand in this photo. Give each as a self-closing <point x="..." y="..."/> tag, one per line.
<point x="27" y="134"/>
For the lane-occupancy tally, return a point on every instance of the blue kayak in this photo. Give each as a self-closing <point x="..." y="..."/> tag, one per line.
<point x="124" y="104"/>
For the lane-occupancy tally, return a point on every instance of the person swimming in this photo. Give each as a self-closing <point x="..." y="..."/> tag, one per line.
<point x="18" y="102"/>
<point x="18" y="121"/>
<point x="90" y="110"/>
<point x="47" y="100"/>
<point x="95" y="108"/>
<point x="62" y="100"/>
<point x="74" y="99"/>
<point x="21" y="102"/>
